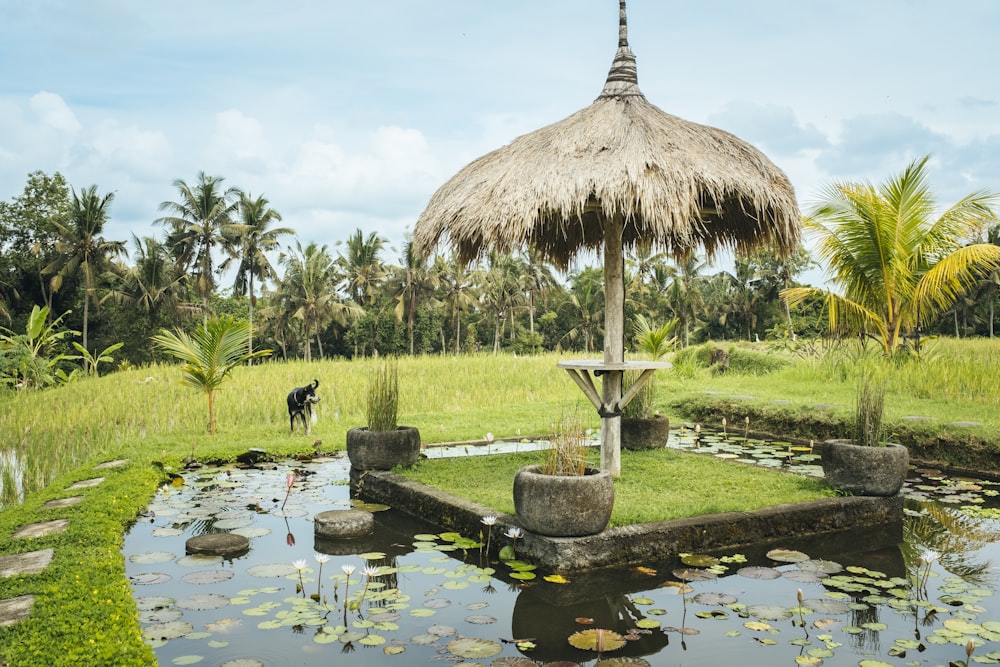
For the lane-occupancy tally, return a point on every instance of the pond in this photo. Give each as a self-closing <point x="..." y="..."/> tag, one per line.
<point x="411" y="595"/>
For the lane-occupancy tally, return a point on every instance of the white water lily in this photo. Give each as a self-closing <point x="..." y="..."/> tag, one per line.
<point x="514" y="532"/>
<point x="299" y="565"/>
<point x="348" y="569"/>
<point x="321" y="558"/>
<point x="929" y="556"/>
<point x="489" y="520"/>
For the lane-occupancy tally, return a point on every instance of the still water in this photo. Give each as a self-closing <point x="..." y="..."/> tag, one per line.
<point x="410" y="595"/>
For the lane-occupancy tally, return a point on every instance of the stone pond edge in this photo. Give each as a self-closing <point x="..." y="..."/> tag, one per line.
<point x="627" y="546"/>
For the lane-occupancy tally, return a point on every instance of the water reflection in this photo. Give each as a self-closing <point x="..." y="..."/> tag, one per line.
<point x="430" y="592"/>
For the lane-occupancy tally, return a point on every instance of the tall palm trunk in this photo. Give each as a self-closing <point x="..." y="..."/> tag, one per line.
<point x="250" y="322"/>
<point x="86" y="316"/>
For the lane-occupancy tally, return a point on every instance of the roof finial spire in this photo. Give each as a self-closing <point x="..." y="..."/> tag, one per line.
<point x="623" y="78"/>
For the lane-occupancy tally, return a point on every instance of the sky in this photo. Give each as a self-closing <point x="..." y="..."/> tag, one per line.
<point x="349" y="115"/>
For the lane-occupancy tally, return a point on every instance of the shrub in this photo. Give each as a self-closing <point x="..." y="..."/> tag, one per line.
<point x="383" y="398"/>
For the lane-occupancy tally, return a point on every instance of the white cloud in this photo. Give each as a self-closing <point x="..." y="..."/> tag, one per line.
<point x="241" y="138"/>
<point x="54" y="112"/>
<point x="132" y="150"/>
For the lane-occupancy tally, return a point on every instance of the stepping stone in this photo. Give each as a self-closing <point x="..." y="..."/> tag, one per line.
<point x="915" y="418"/>
<point x="112" y="464"/>
<point x="218" y="544"/>
<point x="343" y="523"/>
<point x="87" y="483"/>
<point x="32" y="562"/>
<point x="965" y="424"/>
<point x="14" y="610"/>
<point x="65" y="502"/>
<point x="40" y="529"/>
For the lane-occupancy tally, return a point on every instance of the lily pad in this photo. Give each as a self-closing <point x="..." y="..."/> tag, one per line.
<point x="442" y="630"/>
<point x="480" y="619"/>
<point x="769" y="612"/>
<point x="474" y="648"/>
<point x="203" y="601"/>
<point x="208" y="576"/>
<point x="803" y="576"/>
<point x="597" y="639"/>
<point x="827" y="606"/>
<point x="758" y="572"/>
<point x="715" y="598"/>
<point x="271" y="570"/>
<point x="689" y="574"/>
<point x="151" y="602"/>
<point x="171" y="630"/>
<point x="159" y="616"/>
<point x="787" y="556"/>
<point x="818" y="565"/>
<point x="699" y="560"/>
<point x="152" y="557"/>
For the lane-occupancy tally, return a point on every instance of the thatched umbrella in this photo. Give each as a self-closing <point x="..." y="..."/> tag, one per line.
<point x="617" y="174"/>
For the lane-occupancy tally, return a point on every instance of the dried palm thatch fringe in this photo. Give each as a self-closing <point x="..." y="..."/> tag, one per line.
<point x="676" y="184"/>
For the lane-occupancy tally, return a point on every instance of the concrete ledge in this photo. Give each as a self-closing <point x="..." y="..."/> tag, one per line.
<point x="634" y="545"/>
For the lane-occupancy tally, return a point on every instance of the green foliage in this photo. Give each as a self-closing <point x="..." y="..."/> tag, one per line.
<point x="383" y="398"/>
<point x="567" y="454"/>
<point x="656" y="485"/>
<point x="31" y="359"/>
<point x="209" y="355"/>
<point x="654" y="342"/>
<point x="869" y="407"/>
<point x="91" y="361"/>
<point x="84" y="612"/>
<point x="896" y="266"/>
<point x="732" y="359"/>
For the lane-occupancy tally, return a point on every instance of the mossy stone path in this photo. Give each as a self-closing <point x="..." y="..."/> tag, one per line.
<point x="14" y="610"/>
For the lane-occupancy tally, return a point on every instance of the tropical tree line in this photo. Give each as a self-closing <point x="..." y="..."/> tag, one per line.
<point x="902" y="271"/>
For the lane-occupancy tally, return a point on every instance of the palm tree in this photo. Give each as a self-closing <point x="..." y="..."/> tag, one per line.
<point x="898" y="266"/>
<point x="537" y="279"/>
<point x="459" y="294"/>
<point x="685" y="294"/>
<point x="989" y="286"/>
<point x="362" y="267"/>
<point x="501" y="293"/>
<point x="253" y="238"/>
<point x="307" y="292"/>
<point x="586" y="305"/>
<point x="153" y="283"/>
<point x="643" y="268"/>
<point x="740" y="291"/>
<point x="209" y="355"/>
<point x="410" y="283"/>
<point x="778" y="273"/>
<point x="197" y="224"/>
<point x="82" y="250"/>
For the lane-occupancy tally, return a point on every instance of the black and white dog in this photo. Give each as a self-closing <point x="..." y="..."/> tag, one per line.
<point x="300" y="402"/>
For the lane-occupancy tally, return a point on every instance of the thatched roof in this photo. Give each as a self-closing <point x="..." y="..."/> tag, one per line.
<point x="678" y="185"/>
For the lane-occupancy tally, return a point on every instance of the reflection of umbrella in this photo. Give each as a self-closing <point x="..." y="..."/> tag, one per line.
<point x="616" y="174"/>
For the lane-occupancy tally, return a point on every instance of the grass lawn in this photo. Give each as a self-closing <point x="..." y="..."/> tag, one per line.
<point x="655" y="485"/>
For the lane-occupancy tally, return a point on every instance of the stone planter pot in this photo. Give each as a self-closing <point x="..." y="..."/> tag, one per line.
<point x="563" y="505"/>
<point x="864" y="471"/>
<point x="383" y="450"/>
<point x="645" y="432"/>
